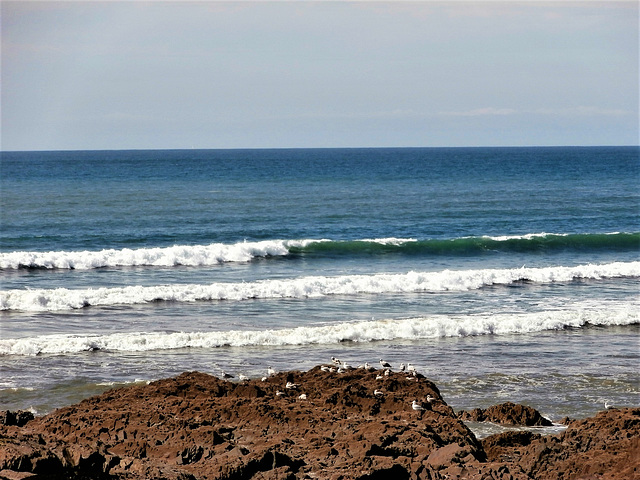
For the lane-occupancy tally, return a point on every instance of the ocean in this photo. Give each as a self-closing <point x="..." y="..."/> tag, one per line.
<point x="502" y="274"/>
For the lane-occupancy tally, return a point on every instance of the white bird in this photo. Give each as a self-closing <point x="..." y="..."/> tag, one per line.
<point x="341" y="370"/>
<point x="378" y="393"/>
<point x="416" y="406"/>
<point x="271" y="371"/>
<point x="402" y="367"/>
<point x="368" y="367"/>
<point x="324" y="368"/>
<point x="264" y="379"/>
<point x="332" y="370"/>
<point x="410" y="368"/>
<point x="279" y="393"/>
<point x="379" y="377"/>
<point x="303" y="396"/>
<point x="226" y="375"/>
<point x="607" y="405"/>
<point x="387" y="372"/>
<point x="430" y="399"/>
<point x="335" y="360"/>
<point x="384" y="364"/>
<point x="243" y="377"/>
<point x="346" y="367"/>
<point x="292" y="386"/>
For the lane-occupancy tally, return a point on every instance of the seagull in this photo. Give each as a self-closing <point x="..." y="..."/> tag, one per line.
<point x="368" y="367"/>
<point x="430" y="399"/>
<point x="264" y="379"/>
<point x="271" y="371"/>
<point x="279" y="393"/>
<point x="607" y="405"/>
<point x="226" y="375"/>
<point x="384" y="364"/>
<point x="346" y="367"/>
<point x="335" y="360"/>
<point x="243" y="377"/>
<point x="410" y="368"/>
<point x="379" y="377"/>
<point x="291" y="385"/>
<point x="378" y="393"/>
<point x="303" y="396"/>
<point x="402" y="367"/>
<point x="387" y="372"/>
<point x="416" y="406"/>
<point x="324" y="368"/>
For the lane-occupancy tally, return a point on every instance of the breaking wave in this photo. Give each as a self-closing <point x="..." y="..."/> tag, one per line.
<point x="40" y="300"/>
<point x="366" y="331"/>
<point x="217" y="253"/>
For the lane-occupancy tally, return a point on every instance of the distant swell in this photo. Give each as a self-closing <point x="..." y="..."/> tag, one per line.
<point x="217" y="253"/>
<point x="307" y="287"/>
<point x="367" y="331"/>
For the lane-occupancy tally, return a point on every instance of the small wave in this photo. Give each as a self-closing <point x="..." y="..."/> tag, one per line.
<point x="217" y="253"/>
<point x="366" y="331"/>
<point x="41" y="300"/>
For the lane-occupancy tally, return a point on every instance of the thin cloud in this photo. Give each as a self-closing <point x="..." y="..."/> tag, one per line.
<point x="479" y="112"/>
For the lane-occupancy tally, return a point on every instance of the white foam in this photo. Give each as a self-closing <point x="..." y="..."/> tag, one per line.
<point x="40" y="300"/>
<point x="368" y="331"/>
<point x="390" y="240"/>
<point x="188" y="255"/>
<point x="527" y="236"/>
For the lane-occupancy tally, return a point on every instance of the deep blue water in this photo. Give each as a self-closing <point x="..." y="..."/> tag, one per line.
<point x="119" y="266"/>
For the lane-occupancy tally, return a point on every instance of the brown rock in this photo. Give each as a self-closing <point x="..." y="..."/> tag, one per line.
<point x="18" y="418"/>
<point x="198" y="426"/>
<point x="507" y="414"/>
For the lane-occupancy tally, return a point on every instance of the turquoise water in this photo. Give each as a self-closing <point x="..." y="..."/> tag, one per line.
<point x="498" y="272"/>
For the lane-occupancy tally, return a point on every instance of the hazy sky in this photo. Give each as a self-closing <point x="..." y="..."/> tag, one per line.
<point x="204" y="74"/>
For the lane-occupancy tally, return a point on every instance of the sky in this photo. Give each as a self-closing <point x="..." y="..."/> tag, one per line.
<point x="209" y="74"/>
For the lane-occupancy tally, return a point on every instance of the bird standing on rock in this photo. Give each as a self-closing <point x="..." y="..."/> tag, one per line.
<point x="417" y="406"/>
<point x="384" y="364"/>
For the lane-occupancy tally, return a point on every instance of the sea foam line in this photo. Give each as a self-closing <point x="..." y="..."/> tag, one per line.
<point x="365" y="331"/>
<point x="40" y="300"/>
<point x="188" y="255"/>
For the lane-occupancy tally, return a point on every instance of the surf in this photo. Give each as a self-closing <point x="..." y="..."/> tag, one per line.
<point x="416" y="328"/>
<point x="309" y="287"/>
<point x="247" y="251"/>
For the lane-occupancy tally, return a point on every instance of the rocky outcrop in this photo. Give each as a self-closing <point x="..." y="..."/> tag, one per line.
<point x="327" y="425"/>
<point x="507" y="414"/>
<point x="18" y="418"/>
